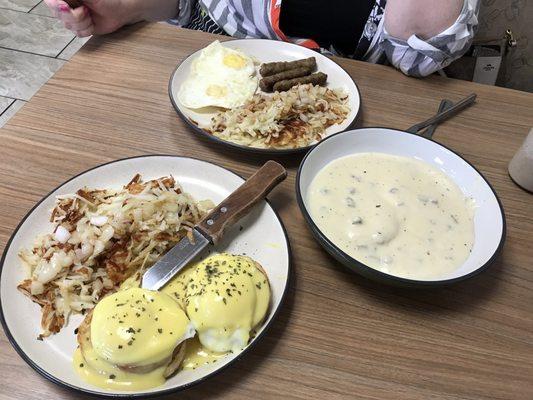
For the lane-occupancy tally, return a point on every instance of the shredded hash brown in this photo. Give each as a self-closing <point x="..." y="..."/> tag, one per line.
<point x="100" y="238"/>
<point x="290" y="119"/>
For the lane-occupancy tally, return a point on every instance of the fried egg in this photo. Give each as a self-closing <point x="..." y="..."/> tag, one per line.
<point x="219" y="77"/>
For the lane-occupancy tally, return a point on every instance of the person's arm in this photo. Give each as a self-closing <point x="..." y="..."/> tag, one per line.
<point x="105" y="16"/>
<point x="420" y="37"/>
<point x="423" y="18"/>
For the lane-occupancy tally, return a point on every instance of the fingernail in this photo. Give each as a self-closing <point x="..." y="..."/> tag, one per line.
<point x="64" y="8"/>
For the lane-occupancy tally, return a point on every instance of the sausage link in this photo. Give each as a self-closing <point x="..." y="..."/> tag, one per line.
<point x="318" y="78"/>
<point x="272" y="68"/>
<point x="268" y="82"/>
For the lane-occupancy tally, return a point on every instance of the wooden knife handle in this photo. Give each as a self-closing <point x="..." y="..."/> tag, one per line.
<point x="241" y="201"/>
<point x="74" y="3"/>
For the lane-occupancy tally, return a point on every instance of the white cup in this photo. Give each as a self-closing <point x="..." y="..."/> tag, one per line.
<point x="521" y="166"/>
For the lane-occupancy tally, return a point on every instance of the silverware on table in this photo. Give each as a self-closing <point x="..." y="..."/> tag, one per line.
<point x="443" y="115"/>
<point x="211" y="229"/>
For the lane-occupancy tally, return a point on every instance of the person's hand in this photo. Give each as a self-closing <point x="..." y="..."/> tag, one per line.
<point x="96" y="17"/>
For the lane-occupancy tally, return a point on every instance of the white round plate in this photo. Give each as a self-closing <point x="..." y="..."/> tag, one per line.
<point x="489" y="220"/>
<point x="265" y="50"/>
<point x="262" y="237"/>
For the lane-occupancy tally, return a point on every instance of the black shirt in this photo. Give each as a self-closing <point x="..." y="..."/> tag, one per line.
<point x="337" y="23"/>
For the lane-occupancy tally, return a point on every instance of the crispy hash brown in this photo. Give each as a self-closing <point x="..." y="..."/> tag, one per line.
<point x="100" y="238"/>
<point x="290" y="119"/>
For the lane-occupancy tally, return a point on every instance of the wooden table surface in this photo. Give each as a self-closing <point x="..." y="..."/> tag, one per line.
<point x="338" y="334"/>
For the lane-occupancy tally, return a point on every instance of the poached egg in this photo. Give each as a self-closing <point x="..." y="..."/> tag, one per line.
<point x="225" y="296"/>
<point x="135" y="338"/>
<point x="129" y="341"/>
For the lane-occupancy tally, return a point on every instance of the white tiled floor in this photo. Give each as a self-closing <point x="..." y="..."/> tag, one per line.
<point x="41" y="9"/>
<point x="72" y="48"/>
<point x="33" y="46"/>
<point x="32" y="33"/>
<point x="10" y="111"/>
<point x="22" y="74"/>
<point x="18" y="5"/>
<point x="5" y="102"/>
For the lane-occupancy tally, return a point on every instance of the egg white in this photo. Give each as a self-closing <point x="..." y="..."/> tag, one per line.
<point x="198" y="93"/>
<point x="220" y="77"/>
<point x="233" y="340"/>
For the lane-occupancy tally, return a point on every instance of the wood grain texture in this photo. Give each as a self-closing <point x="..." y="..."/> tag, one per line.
<point x="241" y="201"/>
<point x="338" y="336"/>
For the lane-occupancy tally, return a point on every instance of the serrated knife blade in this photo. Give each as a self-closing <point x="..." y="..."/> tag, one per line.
<point x="211" y="228"/>
<point x="174" y="261"/>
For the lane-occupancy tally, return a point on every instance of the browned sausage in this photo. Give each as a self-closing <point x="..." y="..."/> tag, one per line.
<point x="268" y="82"/>
<point x="318" y="78"/>
<point x="272" y="68"/>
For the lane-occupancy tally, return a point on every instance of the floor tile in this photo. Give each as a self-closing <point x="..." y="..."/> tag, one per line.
<point x="41" y="9"/>
<point x="73" y="48"/>
<point x="32" y="33"/>
<point x="22" y="74"/>
<point x="5" y="102"/>
<point x="10" y="111"/>
<point x="19" y="5"/>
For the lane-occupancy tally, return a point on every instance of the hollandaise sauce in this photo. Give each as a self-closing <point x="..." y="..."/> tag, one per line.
<point x="197" y="355"/>
<point x="396" y="214"/>
<point x="97" y="372"/>
<point x="225" y="297"/>
<point x="131" y="340"/>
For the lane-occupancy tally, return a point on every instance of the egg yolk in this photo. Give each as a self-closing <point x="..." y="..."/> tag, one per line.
<point x="234" y="61"/>
<point x="216" y="91"/>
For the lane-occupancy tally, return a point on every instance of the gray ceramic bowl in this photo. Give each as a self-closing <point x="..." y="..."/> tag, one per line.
<point x="489" y="220"/>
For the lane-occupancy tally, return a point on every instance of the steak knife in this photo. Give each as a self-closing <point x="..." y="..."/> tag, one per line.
<point x="210" y="230"/>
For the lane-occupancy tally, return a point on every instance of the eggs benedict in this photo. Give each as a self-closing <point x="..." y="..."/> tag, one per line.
<point x="133" y="339"/>
<point x="136" y="338"/>
<point x="226" y="297"/>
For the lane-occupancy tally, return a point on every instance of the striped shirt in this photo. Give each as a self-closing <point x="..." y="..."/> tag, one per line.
<point x="260" y="19"/>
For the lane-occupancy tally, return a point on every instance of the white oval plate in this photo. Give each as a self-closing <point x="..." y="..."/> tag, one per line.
<point x="265" y="50"/>
<point x="489" y="220"/>
<point x="263" y="238"/>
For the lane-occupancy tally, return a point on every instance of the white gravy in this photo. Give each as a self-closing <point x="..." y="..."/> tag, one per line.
<point x="396" y="214"/>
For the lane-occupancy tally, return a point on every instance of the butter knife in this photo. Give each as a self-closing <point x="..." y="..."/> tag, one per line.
<point x="210" y="230"/>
